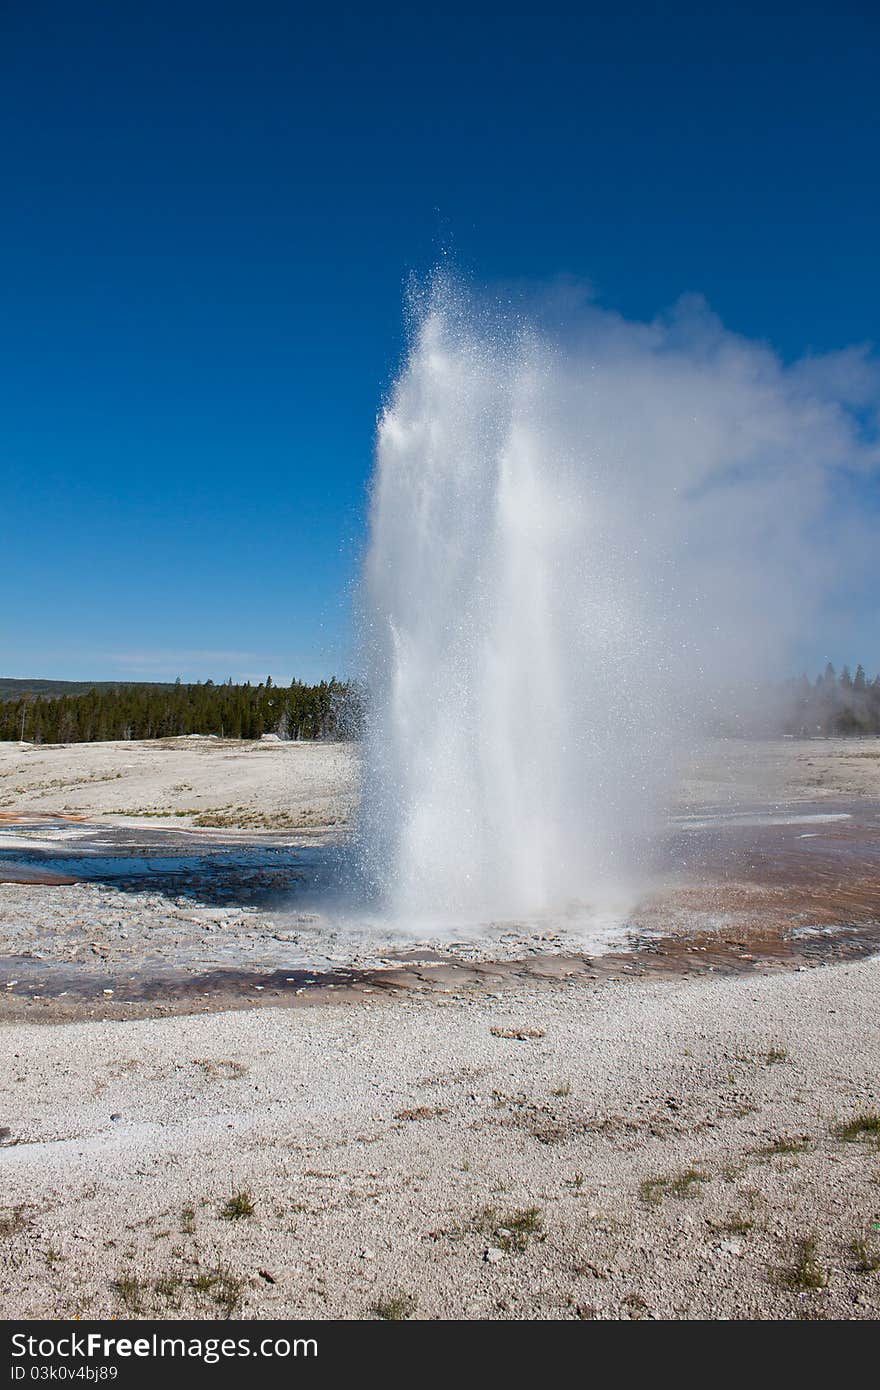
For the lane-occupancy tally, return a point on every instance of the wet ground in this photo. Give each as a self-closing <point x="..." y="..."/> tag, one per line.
<point x="167" y="920"/>
<point x="240" y="868"/>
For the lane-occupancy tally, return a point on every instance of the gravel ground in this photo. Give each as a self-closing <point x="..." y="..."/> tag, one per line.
<point x="181" y="781"/>
<point x="656" y="1149"/>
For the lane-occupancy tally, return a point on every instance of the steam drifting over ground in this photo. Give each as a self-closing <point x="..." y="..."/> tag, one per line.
<point x="580" y="526"/>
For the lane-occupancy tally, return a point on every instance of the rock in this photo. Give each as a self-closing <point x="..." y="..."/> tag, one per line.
<point x="493" y="1255"/>
<point x="730" y="1247"/>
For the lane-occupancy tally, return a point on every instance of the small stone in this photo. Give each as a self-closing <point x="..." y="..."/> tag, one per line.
<point x="116" y="1116"/>
<point x="367" y="1255"/>
<point x="493" y="1255"/>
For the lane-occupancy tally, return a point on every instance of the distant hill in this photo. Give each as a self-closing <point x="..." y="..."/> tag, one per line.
<point x="14" y="689"/>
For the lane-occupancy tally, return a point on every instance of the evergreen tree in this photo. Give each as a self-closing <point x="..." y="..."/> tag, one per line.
<point x="169" y="711"/>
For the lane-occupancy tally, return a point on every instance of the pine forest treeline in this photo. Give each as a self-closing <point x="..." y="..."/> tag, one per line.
<point x="833" y="704"/>
<point x="298" y="711"/>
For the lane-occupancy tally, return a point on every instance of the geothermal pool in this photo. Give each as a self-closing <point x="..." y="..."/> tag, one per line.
<point x="121" y="916"/>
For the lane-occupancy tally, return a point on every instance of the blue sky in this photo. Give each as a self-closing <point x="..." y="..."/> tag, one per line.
<point x="210" y="213"/>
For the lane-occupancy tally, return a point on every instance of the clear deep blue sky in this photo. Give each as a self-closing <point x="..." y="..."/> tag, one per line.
<point x="209" y="214"/>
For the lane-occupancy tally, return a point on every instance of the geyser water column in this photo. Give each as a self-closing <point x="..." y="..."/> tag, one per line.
<point x="513" y="743"/>
<point x="581" y="536"/>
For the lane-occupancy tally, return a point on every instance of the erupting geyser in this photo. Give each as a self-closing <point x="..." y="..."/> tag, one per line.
<point x="577" y="536"/>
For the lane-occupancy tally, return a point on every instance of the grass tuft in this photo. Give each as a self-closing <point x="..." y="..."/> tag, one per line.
<point x="653" y="1190"/>
<point x="786" y="1144"/>
<point x="239" y="1206"/>
<point x="222" y="1286"/>
<point x="775" y="1055"/>
<point x="805" y="1273"/>
<point x="13" y="1221"/>
<point x="864" y="1126"/>
<point x="168" y="1286"/>
<point x="513" y="1230"/>
<point x="395" y="1307"/>
<point x="867" y="1257"/>
<point x="736" y="1225"/>
<point x="130" y="1291"/>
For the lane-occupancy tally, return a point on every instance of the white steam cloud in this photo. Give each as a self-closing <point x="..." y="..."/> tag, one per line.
<point x="584" y="533"/>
